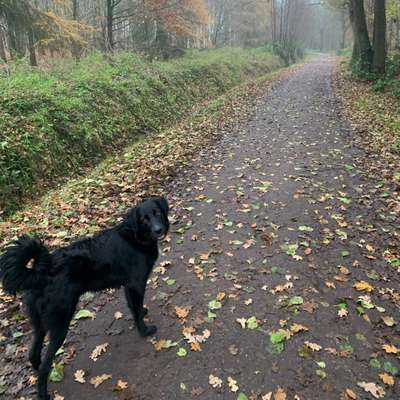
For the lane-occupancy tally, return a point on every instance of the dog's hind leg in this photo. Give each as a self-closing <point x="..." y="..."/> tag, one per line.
<point x="57" y="336"/>
<point x="135" y="300"/>
<point x="39" y="334"/>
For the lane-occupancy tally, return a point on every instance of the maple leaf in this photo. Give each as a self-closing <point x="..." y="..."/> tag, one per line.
<point x="182" y="312"/>
<point x="120" y="385"/>
<point x="370" y="387"/>
<point x="98" y="351"/>
<point x="79" y="376"/>
<point x="343" y="312"/>
<point x="214" y="381"/>
<point x="98" y="380"/>
<point x="195" y="347"/>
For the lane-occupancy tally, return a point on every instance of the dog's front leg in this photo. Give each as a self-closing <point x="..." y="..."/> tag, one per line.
<point x="135" y="298"/>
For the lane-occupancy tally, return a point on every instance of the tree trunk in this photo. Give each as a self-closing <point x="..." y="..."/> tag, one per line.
<point x="379" y="59"/>
<point x="3" y="54"/>
<point x="110" y="20"/>
<point x="76" y="51"/>
<point x="31" y="47"/>
<point x="362" y="51"/>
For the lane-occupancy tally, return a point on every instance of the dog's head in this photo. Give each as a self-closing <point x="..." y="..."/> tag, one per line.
<point x="149" y="220"/>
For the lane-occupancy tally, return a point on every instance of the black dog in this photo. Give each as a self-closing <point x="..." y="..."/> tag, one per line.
<point x="121" y="256"/>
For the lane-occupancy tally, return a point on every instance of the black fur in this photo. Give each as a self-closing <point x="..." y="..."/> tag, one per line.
<point x="121" y="256"/>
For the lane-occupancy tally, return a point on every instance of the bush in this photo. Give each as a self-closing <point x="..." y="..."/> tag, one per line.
<point x="54" y="124"/>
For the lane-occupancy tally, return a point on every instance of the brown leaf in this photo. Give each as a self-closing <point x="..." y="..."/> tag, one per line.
<point x="182" y="312"/>
<point x="390" y="349"/>
<point x="387" y="379"/>
<point x="350" y="394"/>
<point x="280" y="394"/>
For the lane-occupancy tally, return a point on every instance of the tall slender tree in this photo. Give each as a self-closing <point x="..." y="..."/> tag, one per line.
<point x="379" y="58"/>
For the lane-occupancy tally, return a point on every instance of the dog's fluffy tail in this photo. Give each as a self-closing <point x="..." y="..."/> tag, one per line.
<point x="15" y="273"/>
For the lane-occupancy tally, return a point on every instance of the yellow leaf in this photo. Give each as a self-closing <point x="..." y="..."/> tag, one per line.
<point x="121" y="385"/>
<point x="296" y="328"/>
<point x="390" y="348"/>
<point x="363" y="286"/>
<point x="221" y="296"/>
<point x="387" y="379"/>
<point x="98" y="380"/>
<point x="313" y="346"/>
<point x="377" y="391"/>
<point x="160" y="344"/>
<point x="233" y="386"/>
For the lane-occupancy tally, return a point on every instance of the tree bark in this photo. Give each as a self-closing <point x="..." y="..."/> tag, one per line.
<point x="379" y="58"/>
<point x="3" y="54"/>
<point x="110" y="20"/>
<point x="32" y="50"/>
<point x="76" y="51"/>
<point x="362" y="51"/>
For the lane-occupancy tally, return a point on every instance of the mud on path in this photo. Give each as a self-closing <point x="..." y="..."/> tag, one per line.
<point x="277" y="262"/>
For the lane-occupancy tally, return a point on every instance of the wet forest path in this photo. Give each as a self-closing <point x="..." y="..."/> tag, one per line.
<point x="274" y="283"/>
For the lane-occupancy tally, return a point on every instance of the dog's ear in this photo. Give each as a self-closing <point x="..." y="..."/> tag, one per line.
<point x="132" y="220"/>
<point x="163" y="205"/>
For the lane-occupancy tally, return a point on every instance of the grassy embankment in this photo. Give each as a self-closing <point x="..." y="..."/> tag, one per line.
<point x="54" y="124"/>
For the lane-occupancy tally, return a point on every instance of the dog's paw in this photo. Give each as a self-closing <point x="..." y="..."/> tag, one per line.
<point x="148" y="331"/>
<point x="44" y="397"/>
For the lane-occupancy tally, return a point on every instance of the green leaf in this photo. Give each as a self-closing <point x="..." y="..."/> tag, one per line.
<point x="277" y="337"/>
<point x="374" y="363"/>
<point x="295" y="301"/>
<point x="242" y="396"/>
<point x="290" y="249"/>
<point x="214" y="305"/>
<point x="171" y="282"/>
<point x="390" y="368"/>
<point x="57" y="373"/>
<point x="321" y="373"/>
<point x="252" y="323"/>
<point x="211" y="315"/>
<point x="321" y="364"/>
<point x="304" y="228"/>
<point x="345" y="253"/>
<point x="81" y="314"/>
<point x="345" y="200"/>
<point x="182" y="352"/>
<point x="17" y="334"/>
<point x="169" y="344"/>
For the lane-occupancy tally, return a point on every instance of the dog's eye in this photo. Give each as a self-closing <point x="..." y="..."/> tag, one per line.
<point x="145" y="219"/>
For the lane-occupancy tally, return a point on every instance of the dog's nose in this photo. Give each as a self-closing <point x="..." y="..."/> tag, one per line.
<point x="158" y="230"/>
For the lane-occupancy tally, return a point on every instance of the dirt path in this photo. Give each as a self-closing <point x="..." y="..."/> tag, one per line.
<point x="273" y="228"/>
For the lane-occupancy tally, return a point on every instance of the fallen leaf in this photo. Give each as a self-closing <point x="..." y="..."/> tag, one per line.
<point x="350" y="394"/>
<point x="118" y="315"/>
<point x="182" y="312"/>
<point x="363" y="286"/>
<point x="121" y="385"/>
<point x="232" y="383"/>
<point x="98" y="380"/>
<point x="387" y="379"/>
<point x="280" y="394"/>
<point x="214" y="381"/>
<point x="296" y="328"/>
<point x="390" y="349"/>
<point x="313" y="346"/>
<point x="80" y="376"/>
<point x="370" y="387"/>
<point x="98" y="351"/>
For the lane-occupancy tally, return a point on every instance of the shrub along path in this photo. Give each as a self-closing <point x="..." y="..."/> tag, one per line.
<point x="278" y="280"/>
